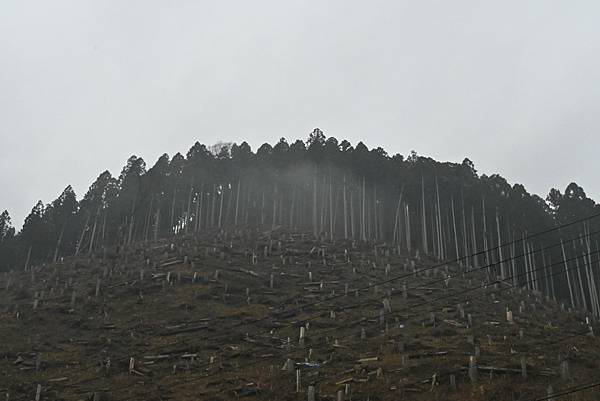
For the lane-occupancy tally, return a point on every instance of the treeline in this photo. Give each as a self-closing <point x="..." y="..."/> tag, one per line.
<point x="334" y="190"/>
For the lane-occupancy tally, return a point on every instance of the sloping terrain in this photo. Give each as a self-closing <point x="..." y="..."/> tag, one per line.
<point x="218" y="317"/>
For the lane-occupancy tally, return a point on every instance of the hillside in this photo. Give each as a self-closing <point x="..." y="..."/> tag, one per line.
<point x="216" y="315"/>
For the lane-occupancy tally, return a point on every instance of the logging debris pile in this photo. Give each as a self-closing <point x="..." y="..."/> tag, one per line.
<point x="281" y="315"/>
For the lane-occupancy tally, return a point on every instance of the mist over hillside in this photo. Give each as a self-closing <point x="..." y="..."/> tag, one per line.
<point x="323" y="185"/>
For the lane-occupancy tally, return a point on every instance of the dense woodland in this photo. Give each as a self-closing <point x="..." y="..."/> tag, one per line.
<point x="336" y="191"/>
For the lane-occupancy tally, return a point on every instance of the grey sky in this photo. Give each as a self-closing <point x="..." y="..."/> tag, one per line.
<point x="513" y="85"/>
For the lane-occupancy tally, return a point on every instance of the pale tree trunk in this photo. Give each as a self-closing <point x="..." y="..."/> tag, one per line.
<point x="199" y="209"/>
<point x="580" y="298"/>
<point x="454" y="231"/>
<point x="129" y="236"/>
<point x="330" y="210"/>
<point x="314" y="210"/>
<point x="104" y="215"/>
<point x="293" y="208"/>
<point x="375" y="214"/>
<point x="274" y="216"/>
<point x="552" y="279"/>
<point x="345" y="210"/>
<point x="189" y="205"/>
<point x="363" y="221"/>
<point x="222" y="192"/>
<point x="397" y="217"/>
<point x="464" y="229"/>
<point x="262" y="210"/>
<point x="485" y="241"/>
<point x="60" y="237"/>
<point x="590" y="267"/>
<point x="237" y="202"/>
<point x="526" y="260"/>
<point x="474" y="240"/>
<point x="148" y="219"/>
<point x="28" y="257"/>
<point x="323" y="206"/>
<point x="85" y="226"/>
<point x="156" y="224"/>
<point x="502" y="269"/>
<point x="441" y="250"/>
<point x="407" y="222"/>
<point x="352" y="229"/>
<point x="91" y="248"/>
<point x="513" y="262"/>
<point x="583" y="299"/>
<point x="423" y="218"/>
<point x="567" y="273"/>
<point x="171" y="227"/>
<point x="546" y="271"/>
<point x="213" y="205"/>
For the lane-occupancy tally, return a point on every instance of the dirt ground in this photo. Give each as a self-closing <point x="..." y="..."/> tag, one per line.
<point x="218" y="317"/>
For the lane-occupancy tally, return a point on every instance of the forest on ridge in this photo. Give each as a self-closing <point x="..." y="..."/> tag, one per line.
<point x="329" y="188"/>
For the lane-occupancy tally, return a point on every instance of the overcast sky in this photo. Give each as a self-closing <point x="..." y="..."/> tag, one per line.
<point x="513" y="85"/>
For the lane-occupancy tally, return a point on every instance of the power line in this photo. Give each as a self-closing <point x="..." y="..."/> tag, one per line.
<point x="315" y="316"/>
<point x="412" y="306"/>
<point x="567" y="391"/>
<point x="446" y="263"/>
<point x="435" y="300"/>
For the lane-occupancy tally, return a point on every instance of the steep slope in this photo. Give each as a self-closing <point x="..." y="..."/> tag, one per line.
<point x="218" y="316"/>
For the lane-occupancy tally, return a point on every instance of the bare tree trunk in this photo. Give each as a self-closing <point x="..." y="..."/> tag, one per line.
<point x="454" y="231"/>
<point x="552" y="279"/>
<point x="273" y="218"/>
<point x="424" y="217"/>
<point x="129" y="236"/>
<point x="28" y="257"/>
<point x="293" y="208"/>
<point x="323" y="206"/>
<point x="221" y="193"/>
<point x="464" y="228"/>
<point x="91" y="248"/>
<point x="363" y="221"/>
<point x="330" y="210"/>
<point x="148" y="219"/>
<point x="85" y="226"/>
<point x="189" y="205"/>
<point x="513" y="263"/>
<point x="589" y="284"/>
<point x="532" y="266"/>
<point x="488" y="260"/>
<point x="104" y="226"/>
<point x="440" y="239"/>
<point x="502" y="268"/>
<point x="262" y="210"/>
<point x="526" y="260"/>
<point x="567" y="273"/>
<point x="407" y="222"/>
<point x="345" y="210"/>
<point x="199" y="206"/>
<point x="171" y="227"/>
<point x="156" y="223"/>
<point x="590" y="267"/>
<point x="213" y="206"/>
<point x="237" y="202"/>
<point x="547" y="271"/>
<point x="396" y="218"/>
<point x="583" y="298"/>
<point x="60" y="237"/>
<point x="352" y="215"/>
<point x="474" y="239"/>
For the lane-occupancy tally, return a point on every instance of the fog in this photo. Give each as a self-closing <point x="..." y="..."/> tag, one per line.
<point x="511" y="85"/>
